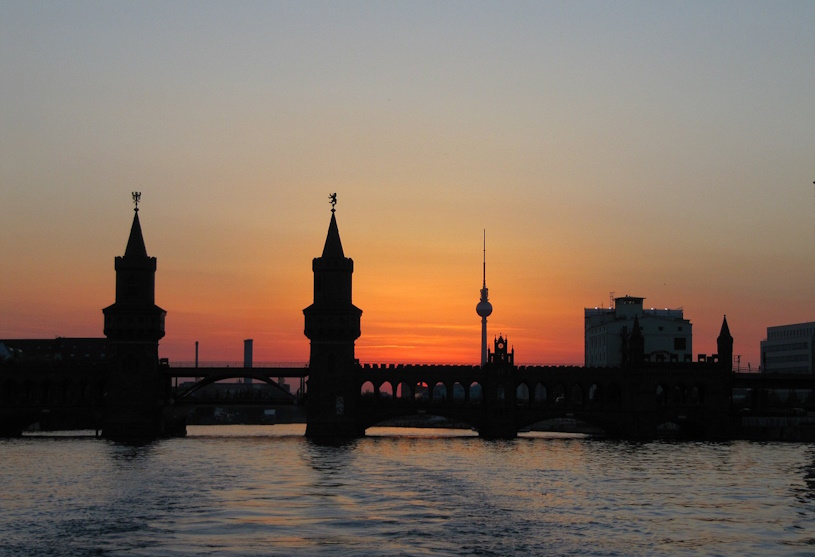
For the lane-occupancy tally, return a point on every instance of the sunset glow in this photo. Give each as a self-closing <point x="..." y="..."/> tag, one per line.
<point x="663" y="151"/>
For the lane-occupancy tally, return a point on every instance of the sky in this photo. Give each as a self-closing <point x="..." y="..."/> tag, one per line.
<point x="656" y="149"/>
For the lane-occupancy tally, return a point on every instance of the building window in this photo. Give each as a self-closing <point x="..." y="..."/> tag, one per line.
<point x="680" y="343"/>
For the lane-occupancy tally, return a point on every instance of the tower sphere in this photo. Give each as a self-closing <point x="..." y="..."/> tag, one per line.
<point x="483" y="309"/>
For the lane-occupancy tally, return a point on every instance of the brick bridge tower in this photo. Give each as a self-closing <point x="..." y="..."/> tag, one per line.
<point x="332" y="324"/>
<point x="136" y="391"/>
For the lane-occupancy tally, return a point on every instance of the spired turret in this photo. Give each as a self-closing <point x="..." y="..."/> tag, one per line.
<point x="332" y="324"/>
<point x="136" y="393"/>
<point x="332" y="317"/>
<point x="724" y="344"/>
<point x="135" y="315"/>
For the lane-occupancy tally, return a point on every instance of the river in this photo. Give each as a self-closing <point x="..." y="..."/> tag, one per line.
<point x="266" y="490"/>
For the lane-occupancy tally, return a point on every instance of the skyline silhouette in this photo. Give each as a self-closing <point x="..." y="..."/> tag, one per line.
<point x="657" y="151"/>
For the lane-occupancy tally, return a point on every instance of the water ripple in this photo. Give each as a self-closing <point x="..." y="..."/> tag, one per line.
<point x="268" y="491"/>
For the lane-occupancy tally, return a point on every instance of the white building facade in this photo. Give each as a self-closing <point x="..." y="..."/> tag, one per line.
<point x="667" y="334"/>
<point x="788" y="349"/>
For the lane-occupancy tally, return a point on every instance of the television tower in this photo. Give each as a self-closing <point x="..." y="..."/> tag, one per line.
<point x="484" y="307"/>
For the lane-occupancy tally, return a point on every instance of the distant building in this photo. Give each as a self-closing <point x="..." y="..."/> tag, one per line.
<point x="788" y="349"/>
<point x="661" y="335"/>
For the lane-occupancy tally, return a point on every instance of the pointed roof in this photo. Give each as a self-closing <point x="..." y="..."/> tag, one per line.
<point x="724" y="334"/>
<point x="135" y="244"/>
<point x="333" y="245"/>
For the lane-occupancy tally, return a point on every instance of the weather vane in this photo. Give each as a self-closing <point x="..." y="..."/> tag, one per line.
<point x="136" y="198"/>
<point x="332" y="198"/>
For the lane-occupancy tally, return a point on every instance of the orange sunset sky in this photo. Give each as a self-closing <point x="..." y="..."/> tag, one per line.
<point x="664" y="150"/>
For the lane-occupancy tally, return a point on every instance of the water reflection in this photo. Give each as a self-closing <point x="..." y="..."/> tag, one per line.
<point x="267" y="491"/>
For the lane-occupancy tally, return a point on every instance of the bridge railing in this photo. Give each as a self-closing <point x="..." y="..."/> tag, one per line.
<point x="234" y="363"/>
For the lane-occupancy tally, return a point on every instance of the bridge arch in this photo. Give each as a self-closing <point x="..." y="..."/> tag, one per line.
<point x="439" y="392"/>
<point x="522" y="394"/>
<point x="559" y="394"/>
<point x="676" y="395"/>
<point x="475" y="393"/>
<point x="661" y="395"/>
<point x="367" y="390"/>
<point x="576" y="395"/>
<point x="403" y="391"/>
<point x="385" y="390"/>
<point x="540" y="394"/>
<point x="595" y="395"/>
<point x="460" y="394"/>
<point x="239" y="373"/>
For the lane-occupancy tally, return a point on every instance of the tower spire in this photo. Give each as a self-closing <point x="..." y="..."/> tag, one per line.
<point x="484" y="307"/>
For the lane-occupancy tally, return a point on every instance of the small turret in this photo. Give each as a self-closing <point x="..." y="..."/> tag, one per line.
<point x="724" y="344"/>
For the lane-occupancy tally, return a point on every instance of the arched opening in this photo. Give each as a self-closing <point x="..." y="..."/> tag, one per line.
<point x="577" y="395"/>
<point x="421" y="392"/>
<point x="540" y="394"/>
<point x="439" y="392"/>
<point x="559" y="394"/>
<point x="459" y="394"/>
<point x="385" y="391"/>
<point x="403" y="391"/>
<point x="676" y="395"/>
<point x="595" y="395"/>
<point x="522" y="394"/>
<point x="661" y="396"/>
<point x="475" y="392"/>
<point x="694" y="395"/>
<point x="367" y="391"/>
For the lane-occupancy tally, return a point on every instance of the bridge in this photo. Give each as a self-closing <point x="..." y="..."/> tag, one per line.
<point x="127" y="391"/>
<point x="497" y="400"/>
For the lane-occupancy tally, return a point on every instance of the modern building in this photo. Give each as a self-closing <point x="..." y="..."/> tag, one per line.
<point x="610" y="334"/>
<point x="788" y="349"/>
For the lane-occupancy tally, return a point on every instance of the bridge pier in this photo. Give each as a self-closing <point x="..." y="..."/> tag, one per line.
<point x="497" y="431"/>
<point x="320" y="428"/>
<point x="10" y="429"/>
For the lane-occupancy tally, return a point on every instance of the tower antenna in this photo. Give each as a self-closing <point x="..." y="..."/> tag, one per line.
<point x="485" y="259"/>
